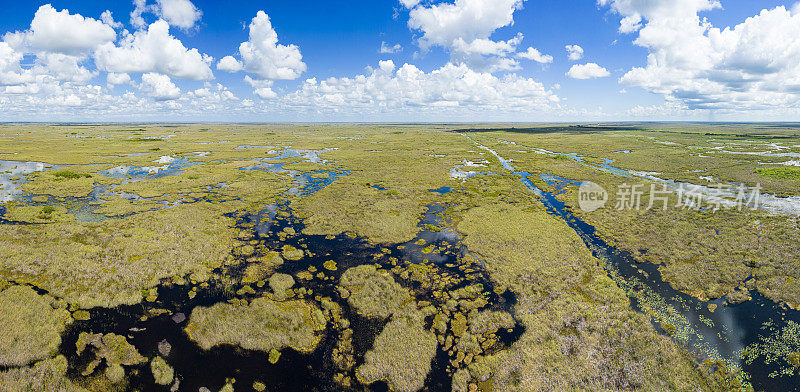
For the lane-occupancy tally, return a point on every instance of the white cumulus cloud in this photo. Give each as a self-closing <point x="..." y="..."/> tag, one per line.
<point x="409" y="3"/>
<point x="11" y="73"/>
<point x="108" y="18"/>
<point x="118" y="78"/>
<point x="534" y="55"/>
<point x="263" y="56"/>
<point x="154" y="50"/>
<point x="229" y="64"/>
<point x="633" y="11"/>
<point x="574" y="52"/>
<point x="62" y="67"/>
<point x="587" y="71"/>
<point x="159" y="86"/>
<point x="58" y="44"/>
<point x="485" y="46"/>
<point x="444" y="23"/>
<point x="465" y="27"/>
<point x="752" y="65"/>
<point x="261" y="87"/>
<point x="179" y="13"/>
<point x="60" y="31"/>
<point x="212" y="94"/>
<point x="140" y="7"/>
<point x="409" y="88"/>
<point x="386" y="49"/>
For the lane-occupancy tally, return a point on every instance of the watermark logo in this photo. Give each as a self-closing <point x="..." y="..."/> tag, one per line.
<point x="591" y="197"/>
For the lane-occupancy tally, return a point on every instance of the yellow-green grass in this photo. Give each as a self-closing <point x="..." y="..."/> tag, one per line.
<point x="262" y="325"/>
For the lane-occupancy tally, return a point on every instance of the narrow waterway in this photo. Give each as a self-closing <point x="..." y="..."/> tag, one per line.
<point x="709" y="329"/>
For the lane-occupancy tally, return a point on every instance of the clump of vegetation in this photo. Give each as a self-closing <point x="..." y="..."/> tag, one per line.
<point x="46" y="375"/>
<point x="115" y="373"/>
<point x="364" y="211"/>
<point x="262" y="325"/>
<point x="373" y="292"/>
<point x="162" y="372"/>
<point x="292" y="253"/>
<point x="794" y="359"/>
<point x="46" y="214"/>
<point x="119" y="207"/>
<point x="280" y="283"/>
<point x="30" y="328"/>
<point x="489" y="321"/>
<point x="70" y="175"/>
<point x="274" y="356"/>
<point x="144" y="139"/>
<point x="115" y="349"/>
<point x="781" y="173"/>
<point x="330" y="265"/>
<point x="75" y="182"/>
<point x="401" y="354"/>
<point x="261" y="267"/>
<point x="35" y="214"/>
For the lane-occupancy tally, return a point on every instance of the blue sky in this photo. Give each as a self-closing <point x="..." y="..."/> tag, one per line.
<point x="463" y="54"/>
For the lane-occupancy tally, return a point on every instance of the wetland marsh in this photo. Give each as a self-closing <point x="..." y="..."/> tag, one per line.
<point x="374" y="257"/>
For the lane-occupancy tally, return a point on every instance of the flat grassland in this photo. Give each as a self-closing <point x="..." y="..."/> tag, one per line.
<point x="102" y="217"/>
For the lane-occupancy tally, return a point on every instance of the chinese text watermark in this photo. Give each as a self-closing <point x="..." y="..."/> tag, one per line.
<point x="649" y="196"/>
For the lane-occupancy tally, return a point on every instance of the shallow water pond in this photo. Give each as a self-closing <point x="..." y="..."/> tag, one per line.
<point x="12" y="175"/>
<point x="167" y="166"/>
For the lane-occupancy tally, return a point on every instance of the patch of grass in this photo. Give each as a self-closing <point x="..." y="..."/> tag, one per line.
<point x="34" y="214"/>
<point x="46" y="375"/>
<point x="262" y="325"/>
<point x="402" y="353"/>
<point x="97" y="265"/>
<point x="143" y="140"/>
<point x="62" y="183"/>
<point x="162" y="372"/>
<point x="115" y="349"/>
<point x="373" y="292"/>
<point x="781" y="173"/>
<point x="30" y="329"/>
<point x="280" y="283"/>
<point x="70" y="175"/>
